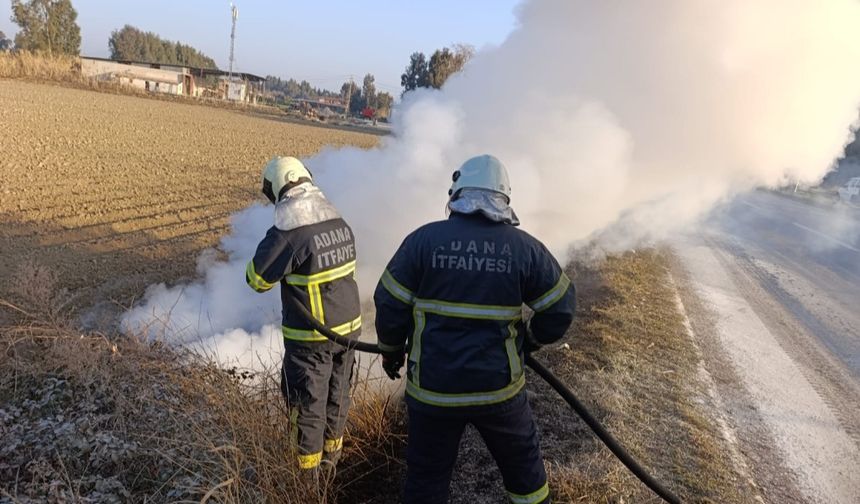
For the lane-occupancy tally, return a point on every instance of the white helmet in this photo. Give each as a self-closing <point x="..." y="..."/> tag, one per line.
<point x="283" y="173"/>
<point x="481" y="172"/>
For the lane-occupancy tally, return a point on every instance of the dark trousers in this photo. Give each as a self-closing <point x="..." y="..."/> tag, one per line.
<point x="509" y="432"/>
<point x="315" y="381"/>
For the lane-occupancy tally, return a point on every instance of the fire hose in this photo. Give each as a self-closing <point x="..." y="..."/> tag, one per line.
<point x="599" y="430"/>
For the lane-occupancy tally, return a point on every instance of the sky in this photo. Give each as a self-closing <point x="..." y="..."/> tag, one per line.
<point x="322" y="41"/>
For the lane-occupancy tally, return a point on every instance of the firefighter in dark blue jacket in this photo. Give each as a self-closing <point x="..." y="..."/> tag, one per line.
<point x="452" y="300"/>
<point x="310" y="251"/>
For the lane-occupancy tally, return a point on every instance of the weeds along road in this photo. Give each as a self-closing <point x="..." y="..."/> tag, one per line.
<point x="780" y="280"/>
<point x="116" y="192"/>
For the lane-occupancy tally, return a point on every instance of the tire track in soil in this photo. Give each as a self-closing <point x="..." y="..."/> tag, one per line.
<point x="825" y="374"/>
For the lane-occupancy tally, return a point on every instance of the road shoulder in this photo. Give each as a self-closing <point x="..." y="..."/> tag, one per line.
<point x="787" y="429"/>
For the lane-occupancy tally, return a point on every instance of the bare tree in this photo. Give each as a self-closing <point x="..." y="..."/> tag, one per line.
<point x="368" y="89"/>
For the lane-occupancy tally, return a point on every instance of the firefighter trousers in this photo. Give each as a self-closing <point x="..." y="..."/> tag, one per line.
<point x="315" y="381"/>
<point x="507" y="429"/>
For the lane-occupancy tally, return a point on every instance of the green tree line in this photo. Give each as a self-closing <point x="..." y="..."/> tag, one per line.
<point x="366" y="96"/>
<point x="48" y="26"/>
<point x="359" y="96"/>
<point x="284" y="90"/>
<point x="433" y="73"/>
<point x="130" y="43"/>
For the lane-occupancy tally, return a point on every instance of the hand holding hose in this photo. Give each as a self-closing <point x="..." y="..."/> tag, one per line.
<point x="392" y="362"/>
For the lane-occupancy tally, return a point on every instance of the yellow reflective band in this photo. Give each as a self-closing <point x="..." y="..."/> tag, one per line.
<point x="315" y="297"/>
<point x="511" y="349"/>
<point x="467" y="399"/>
<point x="396" y="289"/>
<point x="333" y="445"/>
<point x="308" y="335"/>
<point x="471" y="311"/>
<point x="551" y="296"/>
<point x="310" y="461"/>
<point x="322" y="276"/>
<point x="535" y="497"/>
<point x="256" y="282"/>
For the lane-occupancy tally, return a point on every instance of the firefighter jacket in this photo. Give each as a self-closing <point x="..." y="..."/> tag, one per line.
<point x="311" y="251"/>
<point x="453" y="296"/>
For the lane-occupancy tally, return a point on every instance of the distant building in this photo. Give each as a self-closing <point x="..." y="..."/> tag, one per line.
<point x="156" y="78"/>
<point x="322" y="106"/>
<point x="175" y="80"/>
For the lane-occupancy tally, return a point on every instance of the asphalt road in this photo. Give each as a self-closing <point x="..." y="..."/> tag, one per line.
<point x="807" y="257"/>
<point x="777" y="312"/>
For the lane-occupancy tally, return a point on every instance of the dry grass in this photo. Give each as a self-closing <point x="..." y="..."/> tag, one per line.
<point x="109" y="418"/>
<point x="95" y="418"/>
<point x="26" y="65"/>
<point x="632" y="361"/>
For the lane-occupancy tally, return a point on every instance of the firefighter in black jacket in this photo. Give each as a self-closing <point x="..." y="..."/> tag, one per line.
<point x="452" y="299"/>
<point x="310" y="250"/>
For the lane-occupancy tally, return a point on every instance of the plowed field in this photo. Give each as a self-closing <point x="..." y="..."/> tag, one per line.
<point x="117" y="192"/>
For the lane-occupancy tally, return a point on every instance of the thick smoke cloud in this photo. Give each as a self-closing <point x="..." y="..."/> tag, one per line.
<point x="618" y="121"/>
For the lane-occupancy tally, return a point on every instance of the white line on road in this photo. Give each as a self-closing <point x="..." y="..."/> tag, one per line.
<point x="834" y="240"/>
<point x="747" y="203"/>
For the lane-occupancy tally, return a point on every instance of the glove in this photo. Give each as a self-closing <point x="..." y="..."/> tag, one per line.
<point x="392" y="362"/>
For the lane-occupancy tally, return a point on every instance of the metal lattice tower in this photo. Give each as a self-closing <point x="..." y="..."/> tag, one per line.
<point x="234" y="12"/>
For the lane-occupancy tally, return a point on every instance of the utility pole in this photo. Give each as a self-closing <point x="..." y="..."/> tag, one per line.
<point x="234" y="12"/>
<point x="348" y="98"/>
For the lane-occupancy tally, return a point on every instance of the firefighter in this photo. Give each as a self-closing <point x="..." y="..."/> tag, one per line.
<point x="452" y="299"/>
<point x="310" y="251"/>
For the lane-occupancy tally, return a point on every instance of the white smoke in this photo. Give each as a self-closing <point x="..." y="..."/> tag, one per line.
<point x="620" y="121"/>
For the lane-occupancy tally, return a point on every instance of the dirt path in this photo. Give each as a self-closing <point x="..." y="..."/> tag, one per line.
<point x="793" y="404"/>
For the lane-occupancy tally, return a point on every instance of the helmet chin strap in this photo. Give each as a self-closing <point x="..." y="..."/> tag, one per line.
<point x="267" y="191"/>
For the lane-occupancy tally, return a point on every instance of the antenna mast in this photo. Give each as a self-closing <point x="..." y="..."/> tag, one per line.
<point x="234" y="12"/>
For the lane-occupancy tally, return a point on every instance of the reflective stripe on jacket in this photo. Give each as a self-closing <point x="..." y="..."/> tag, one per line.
<point x="453" y="296"/>
<point x="315" y="264"/>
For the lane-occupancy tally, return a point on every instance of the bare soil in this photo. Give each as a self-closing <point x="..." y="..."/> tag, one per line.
<point x="118" y="192"/>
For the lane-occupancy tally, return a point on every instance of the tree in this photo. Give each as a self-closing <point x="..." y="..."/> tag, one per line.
<point x="417" y="73"/>
<point x="47" y="25"/>
<point x="446" y="62"/>
<point x="130" y="43"/>
<point x="368" y="89"/>
<point x="383" y="104"/>
<point x="5" y="44"/>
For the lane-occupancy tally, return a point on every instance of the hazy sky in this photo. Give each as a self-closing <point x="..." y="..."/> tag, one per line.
<point x="323" y="41"/>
